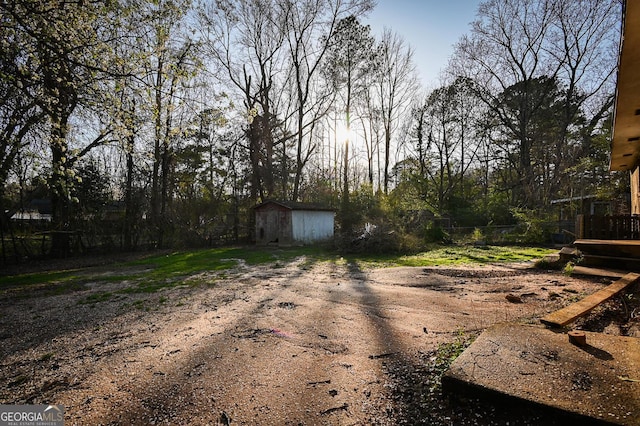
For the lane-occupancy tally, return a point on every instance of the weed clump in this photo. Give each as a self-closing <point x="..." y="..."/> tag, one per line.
<point x="416" y="387"/>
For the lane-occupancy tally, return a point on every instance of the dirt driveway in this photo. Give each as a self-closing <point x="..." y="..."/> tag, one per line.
<point x="281" y="344"/>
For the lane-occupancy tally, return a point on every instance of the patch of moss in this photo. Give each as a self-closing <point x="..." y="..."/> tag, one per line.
<point x="97" y="298"/>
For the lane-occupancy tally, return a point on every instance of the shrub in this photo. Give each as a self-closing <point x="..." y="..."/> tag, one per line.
<point x="531" y="228"/>
<point x="436" y="234"/>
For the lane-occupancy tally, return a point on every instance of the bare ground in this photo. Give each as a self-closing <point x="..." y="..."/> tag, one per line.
<point x="293" y="344"/>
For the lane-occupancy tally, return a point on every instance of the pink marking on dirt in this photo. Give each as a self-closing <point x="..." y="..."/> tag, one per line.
<point x="281" y="333"/>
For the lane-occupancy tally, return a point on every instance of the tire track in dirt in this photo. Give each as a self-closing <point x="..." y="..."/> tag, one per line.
<point x="289" y="345"/>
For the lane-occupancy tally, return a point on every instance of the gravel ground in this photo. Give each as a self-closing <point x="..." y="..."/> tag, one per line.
<point x="283" y="344"/>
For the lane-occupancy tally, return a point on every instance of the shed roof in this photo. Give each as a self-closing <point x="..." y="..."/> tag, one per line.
<point x="571" y="199"/>
<point x="294" y="205"/>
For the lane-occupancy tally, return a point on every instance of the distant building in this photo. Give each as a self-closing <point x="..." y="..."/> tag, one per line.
<point x="289" y="223"/>
<point x="37" y="211"/>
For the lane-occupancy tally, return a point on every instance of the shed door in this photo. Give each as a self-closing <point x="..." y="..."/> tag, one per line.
<point x="273" y="227"/>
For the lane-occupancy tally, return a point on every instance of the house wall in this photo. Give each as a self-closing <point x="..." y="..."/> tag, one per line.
<point x="309" y="226"/>
<point x="635" y="191"/>
<point x="273" y="225"/>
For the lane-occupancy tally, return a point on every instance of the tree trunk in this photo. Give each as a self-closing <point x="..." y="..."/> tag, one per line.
<point x="347" y="222"/>
<point x="299" y="163"/>
<point x="2" y="225"/>
<point x="60" y="202"/>
<point x="157" y="157"/>
<point x="387" y="154"/>
<point x="128" y="197"/>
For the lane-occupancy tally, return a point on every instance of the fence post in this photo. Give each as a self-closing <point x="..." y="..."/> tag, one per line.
<point x="580" y="227"/>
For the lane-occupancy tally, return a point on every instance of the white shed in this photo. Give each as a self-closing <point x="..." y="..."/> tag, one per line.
<point x="287" y="223"/>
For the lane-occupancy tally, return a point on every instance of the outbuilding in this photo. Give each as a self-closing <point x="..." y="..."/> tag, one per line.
<point x="290" y="223"/>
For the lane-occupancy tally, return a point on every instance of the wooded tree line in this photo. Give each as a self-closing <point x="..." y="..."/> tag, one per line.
<point x="163" y="122"/>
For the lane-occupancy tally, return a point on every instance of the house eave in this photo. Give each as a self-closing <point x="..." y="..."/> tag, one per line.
<point x="625" y="144"/>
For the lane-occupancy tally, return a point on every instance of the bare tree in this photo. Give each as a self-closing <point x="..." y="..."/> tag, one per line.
<point x="246" y="39"/>
<point x="397" y="84"/>
<point x="524" y="51"/>
<point x="306" y="24"/>
<point x="585" y="42"/>
<point x="507" y="48"/>
<point x="371" y="123"/>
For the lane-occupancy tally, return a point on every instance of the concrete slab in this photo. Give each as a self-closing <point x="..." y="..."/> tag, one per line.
<point x="537" y="367"/>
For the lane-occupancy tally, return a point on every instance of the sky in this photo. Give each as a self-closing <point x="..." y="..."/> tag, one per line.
<point x="431" y="27"/>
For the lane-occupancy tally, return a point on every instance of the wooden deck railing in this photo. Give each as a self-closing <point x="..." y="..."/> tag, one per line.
<point x="608" y="227"/>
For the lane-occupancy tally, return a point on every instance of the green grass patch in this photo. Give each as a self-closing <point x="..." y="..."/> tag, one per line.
<point x="55" y="282"/>
<point x="163" y="270"/>
<point x="456" y="255"/>
<point x="97" y="298"/>
<point x="25" y="280"/>
<point x="155" y="273"/>
<point x="138" y="304"/>
<point x="189" y="262"/>
<point x="171" y="270"/>
<point x="43" y="283"/>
